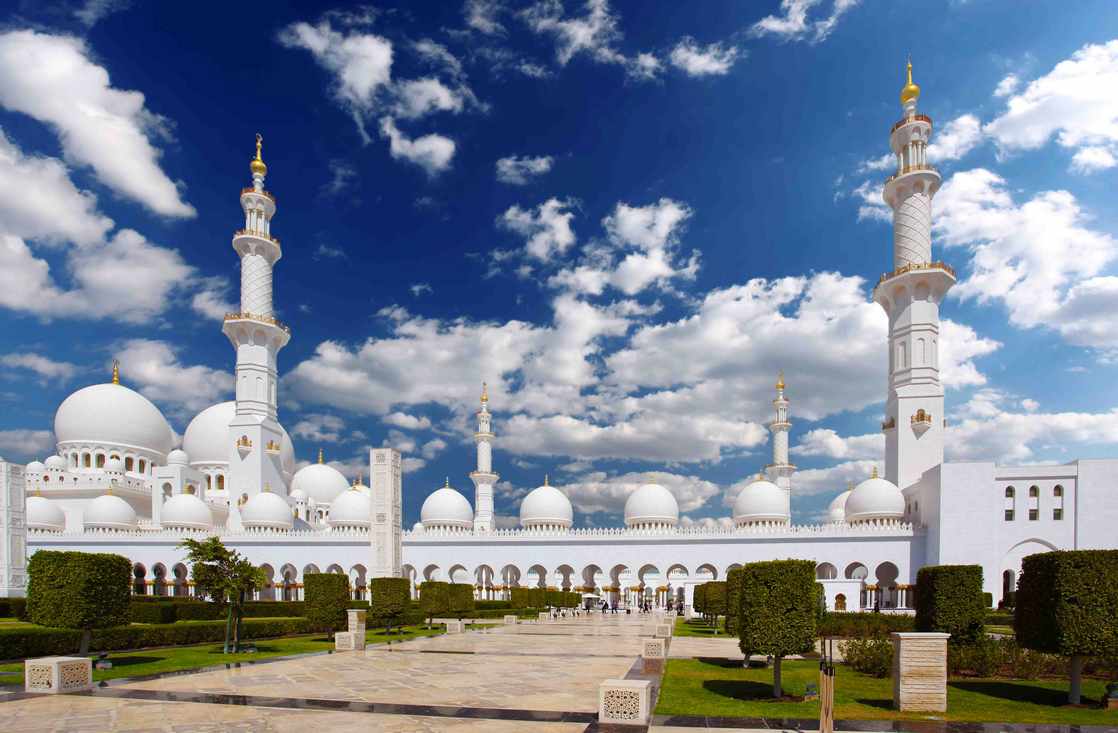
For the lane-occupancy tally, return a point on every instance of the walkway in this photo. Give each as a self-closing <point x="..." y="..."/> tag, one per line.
<point x="539" y="677"/>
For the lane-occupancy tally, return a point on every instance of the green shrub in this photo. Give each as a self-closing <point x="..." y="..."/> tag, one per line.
<point x="434" y="599"/>
<point x="152" y="613"/>
<point x="733" y="600"/>
<point x="778" y="611"/>
<point x="78" y="590"/>
<point x="461" y="599"/>
<point x="1009" y="601"/>
<point x="949" y="600"/>
<point x="493" y="605"/>
<point x="988" y="600"/>
<point x="327" y="598"/>
<point x="13" y="608"/>
<point x="714" y="601"/>
<point x="699" y="599"/>
<point x="389" y="600"/>
<point x="982" y="657"/>
<point x="999" y="618"/>
<point x="869" y="656"/>
<point x="1067" y="604"/>
<point x="864" y="625"/>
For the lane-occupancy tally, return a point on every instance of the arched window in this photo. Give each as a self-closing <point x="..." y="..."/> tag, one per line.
<point x="129" y="463"/>
<point x="840" y="602"/>
<point x="1034" y="492"/>
<point x="1009" y="492"/>
<point x="143" y="466"/>
<point x="221" y="482"/>
<point x="86" y="460"/>
<point x="166" y="490"/>
<point x="100" y="460"/>
<point x="1058" y="491"/>
<point x="1010" y="504"/>
<point x="1034" y="503"/>
<point x="1058" y="503"/>
<point x="209" y="479"/>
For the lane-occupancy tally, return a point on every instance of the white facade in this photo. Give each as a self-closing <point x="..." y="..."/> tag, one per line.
<point x="117" y="486"/>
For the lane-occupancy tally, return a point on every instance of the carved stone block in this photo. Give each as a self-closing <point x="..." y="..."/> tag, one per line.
<point x="510" y="619"/>
<point x="625" y="702"/>
<point x="663" y="631"/>
<point x="55" y="675"/>
<point x="545" y="616"/>
<point x="348" y="641"/>
<point x="356" y="620"/>
<point x="920" y="671"/>
<point x="455" y="626"/>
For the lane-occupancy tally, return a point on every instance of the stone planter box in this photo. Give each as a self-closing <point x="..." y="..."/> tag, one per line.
<point x="57" y="675"/>
<point x="356" y="620"/>
<point x="920" y="672"/>
<point x="455" y="627"/>
<point x="654" y="652"/>
<point x="545" y="616"/>
<point x="348" y="641"/>
<point x="510" y="619"/>
<point x="663" y="631"/>
<point x="625" y="702"/>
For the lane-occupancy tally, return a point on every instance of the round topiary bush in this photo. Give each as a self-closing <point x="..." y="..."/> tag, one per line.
<point x="327" y="598"/>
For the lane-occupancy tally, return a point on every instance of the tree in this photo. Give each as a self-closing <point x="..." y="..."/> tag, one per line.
<point x="714" y="601"/>
<point x="461" y="599"/>
<point x="327" y="599"/>
<point x="778" y="611"/>
<point x="78" y="590"/>
<point x="389" y="599"/>
<point x="434" y="599"/>
<point x="949" y="600"/>
<point x="733" y="600"/>
<point x="1067" y="603"/>
<point x="699" y="599"/>
<point x="227" y="578"/>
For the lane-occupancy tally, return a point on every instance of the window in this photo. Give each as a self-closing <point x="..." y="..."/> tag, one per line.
<point x="1009" y="515"/>
<point x="100" y="460"/>
<point x="1034" y="514"/>
<point x="1058" y="491"/>
<point x="1009" y="492"/>
<point x="143" y="465"/>
<point x="129" y="464"/>
<point x="1057" y="514"/>
<point x="1034" y="492"/>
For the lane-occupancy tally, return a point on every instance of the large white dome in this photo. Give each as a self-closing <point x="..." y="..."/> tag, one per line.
<point x="836" y="512"/>
<point x="320" y="481"/>
<point x="352" y="508"/>
<point x="546" y="506"/>
<point x="651" y="504"/>
<point x="43" y="514"/>
<point x="267" y="511"/>
<point x="109" y="512"/>
<point x="206" y="439"/>
<point x="446" y="508"/>
<point x="112" y="414"/>
<point x="874" y="498"/>
<point x="186" y="511"/>
<point x="761" y="501"/>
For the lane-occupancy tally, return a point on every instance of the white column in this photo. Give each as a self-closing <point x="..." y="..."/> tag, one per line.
<point x="385" y="536"/>
<point x="13" y="532"/>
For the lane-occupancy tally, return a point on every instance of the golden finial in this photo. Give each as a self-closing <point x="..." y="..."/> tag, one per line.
<point x="545" y="483"/>
<point x="257" y="164"/>
<point x="780" y="380"/>
<point x="484" y="393"/>
<point x="267" y="488"/>
<point x="116" y="372"/>
<point x="320" y="455"/>
<point x="910" y="92"/>
<point x="446" y="484"/>
<point x="850" y="485"/>
<point x="874" y="474"/>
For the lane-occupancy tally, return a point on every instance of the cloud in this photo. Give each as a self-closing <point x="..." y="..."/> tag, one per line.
<point x="593" y="35"/>
<point x="1092" y="159"/>
<point x="518" y="171"/>
<point x="957" y="138"/>
<point x="418" y="289"/>
<point x="598" y="492"/>
<point x="319" y="428"/>
<point x="92" y="11"/>
<point x="829" y="444"/>
<point x="433" y="447"/>
<point x="546" y="228"/>
<point x="326" y="252"/>
<point x="833" y="480"/>
<point x="48" y="369"/>
<point x="27" y="445"/>
<point x="153" y="368"/>
<point x="52" y="79"/>
<point x="210" y="299"/>
<point x="419" y="97"/>
<point x="407" y="422"/>
<point x="714" y="59"/>
<point x="481" y="16"/>
<point x="342" y="175"/>
<point x="793" y="24"/>
<point x="1008" y="85"/>
<point x="1068" y="103"/>
<point x="430" y="152"/>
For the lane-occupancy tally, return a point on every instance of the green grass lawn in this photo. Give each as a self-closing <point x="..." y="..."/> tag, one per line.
<point x="178" y="658"/>
<point x="1003" y="630"/>
<point x="699" y="627"/>
<point x="719" y="687"/>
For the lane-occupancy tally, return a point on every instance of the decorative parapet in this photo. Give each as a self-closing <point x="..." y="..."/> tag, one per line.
<point x="910" y="169"/>
<point x="258" y="235"/>
<point x="899" y="123"/>
<point x="889" y="424"/>
<point x="270" y="320"/>
<point x="261" y="192"/>
<point x="917" y="266"/>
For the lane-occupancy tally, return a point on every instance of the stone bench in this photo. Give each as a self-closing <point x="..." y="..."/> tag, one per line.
<point x="455" y="627"/>
<point x="55" y="675"/>
<point x="510" y="619"/>
<point x="349" y="641"/>
<point x="625" y="702"/>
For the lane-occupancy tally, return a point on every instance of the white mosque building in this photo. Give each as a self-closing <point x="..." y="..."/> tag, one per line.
<point x="118" y="484"/>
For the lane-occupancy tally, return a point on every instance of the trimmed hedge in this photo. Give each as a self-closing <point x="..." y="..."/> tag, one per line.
<point x="492" y="605"/>
<point x="434" y="599"/>
<point x="389" y="600"/>
<point x="542" y="598"/>
<point x="949" y="600"/>
<point x="733" y="600"/>
<point x="779" y="608"/>
<point x="699" y="598"/>
<point x="461" y="599"/>
<point x="714" y="599"/>
<point x="864" y="625"/>
<point x="13" y="608"/>
<point x="1067" y="603"/>
<point x="78" y="590"/>
<point x="194" y="610"/>
<point x="327" y="598"/>
<point x="23" y="643"/>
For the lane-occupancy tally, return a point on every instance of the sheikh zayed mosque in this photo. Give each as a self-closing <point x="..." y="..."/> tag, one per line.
<point x="118" y="483"/>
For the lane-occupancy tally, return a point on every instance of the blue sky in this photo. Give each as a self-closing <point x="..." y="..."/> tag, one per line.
<point x="627" y="217"/>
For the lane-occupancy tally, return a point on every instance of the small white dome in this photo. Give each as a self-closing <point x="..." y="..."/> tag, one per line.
<point x="178" y="457"/>
<point x="35" y="467"/>
<point x="206" y="439"/>
<point x="112" y="414"/>
<point x="57" y="463"/>
<point x="43" y="514"/>
<point x="186" y="511"/>
<point x="360" y="486"/>
<point x="298" y="495"/>
<point x="267" y="511"/>
<point x="446" y="508"/>
<point x="417" y="527"/>
<point x="320" y="481"/>
<point x="109" y="512"/>
<point x="351" y="509"/>
<point x="874" y="498"/>
<point x="114" y="465"/>
<point x="761" y="501"/>
<point x="546" y="506"/>
<point x="836" y="512"/>
<point x="651" y="504"/>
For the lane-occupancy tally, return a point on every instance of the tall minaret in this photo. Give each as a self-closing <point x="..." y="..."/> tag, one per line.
<point x="254" y="433"/>
<point x="780" y="470"/>
<point x="483" y="477"/>
<point x="911" y="295"/>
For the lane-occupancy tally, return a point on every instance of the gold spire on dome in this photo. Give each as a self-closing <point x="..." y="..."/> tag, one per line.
<point x="874" y="474"/>
<point x="545" y="483"/>
<point x="780" y="380"/>
<point x="484" y="393"/>
<point x="910" y="92"/>
<point x="116" y="372"/>
<point x="320" y="455"/>
<point x="257" y="164"/>
<point x="446" y="483"/>
<point x="267" y="488"/>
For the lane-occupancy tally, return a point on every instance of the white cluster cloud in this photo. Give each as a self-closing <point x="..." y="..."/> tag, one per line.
<point x="406" y="421"/>
<point x="52" y="79"/>
<point x="27" y="444"/>
<point x="431" y="152"/>
<point x="598" y="492"/>
<point x="481" y="16"/>
<point x="319" y="428"/>
<point x="793" y="24"/>
<point x="48" y="369"/>
<point x="518" y="171"/>
<point x="1071" y="103"/>
<point x="958" y="137"/>
<point x="546" y="228"/>
<point x="714" y="59"/>
<point x="594" y="34"/>
<point x="829" y="444"/>
<point x="154" y="369"/>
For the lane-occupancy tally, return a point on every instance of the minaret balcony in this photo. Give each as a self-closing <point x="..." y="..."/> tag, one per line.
<point x="261" y="192"/>
<point x="911" y="169"/>
<point x="918" y="280"/>
<point x="257" y="317"/>
<point x="921" y="422"/>
<point x="907" y="120"/>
